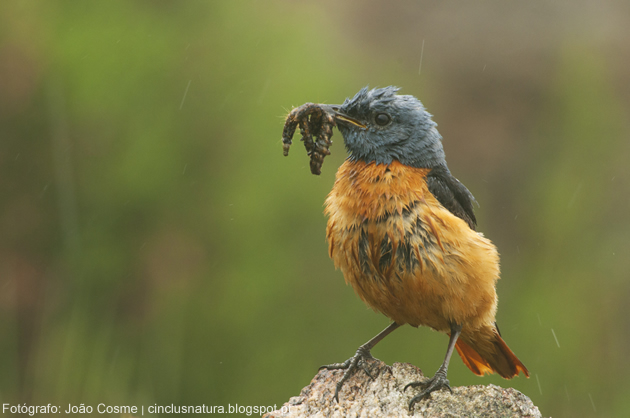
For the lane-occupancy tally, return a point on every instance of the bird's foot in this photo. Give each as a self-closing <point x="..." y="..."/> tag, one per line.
<point x="359" y="360"/>
<point x="437" y="382"/>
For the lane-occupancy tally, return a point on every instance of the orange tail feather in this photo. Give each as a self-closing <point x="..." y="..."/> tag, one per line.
<point x="486" y="352"/>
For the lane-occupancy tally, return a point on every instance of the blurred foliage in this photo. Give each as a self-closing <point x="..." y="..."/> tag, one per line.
<point x="156" y="248"/>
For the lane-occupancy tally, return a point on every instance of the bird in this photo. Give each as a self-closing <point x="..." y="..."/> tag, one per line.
<point x="402" y="230"/>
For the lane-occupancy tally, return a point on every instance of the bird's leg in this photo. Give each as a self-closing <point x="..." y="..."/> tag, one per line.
<point x="358" y="360"/>
<point x="439" y="380"/>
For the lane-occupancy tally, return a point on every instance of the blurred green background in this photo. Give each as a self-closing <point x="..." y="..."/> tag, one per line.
<point x="156" y="248"/>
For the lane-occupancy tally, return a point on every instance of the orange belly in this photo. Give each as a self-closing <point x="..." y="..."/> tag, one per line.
<point x="406" y="255"/>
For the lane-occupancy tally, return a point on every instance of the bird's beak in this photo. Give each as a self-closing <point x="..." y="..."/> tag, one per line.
<point x="340" y="117"/>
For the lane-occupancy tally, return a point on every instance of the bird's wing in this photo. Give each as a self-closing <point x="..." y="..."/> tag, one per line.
<point x="452" y="194"/>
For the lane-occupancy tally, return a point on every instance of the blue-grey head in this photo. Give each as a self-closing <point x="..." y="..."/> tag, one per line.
<point x="381" y="126"/>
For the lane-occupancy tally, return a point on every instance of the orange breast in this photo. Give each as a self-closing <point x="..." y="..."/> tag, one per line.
<point x="406" y="255"/>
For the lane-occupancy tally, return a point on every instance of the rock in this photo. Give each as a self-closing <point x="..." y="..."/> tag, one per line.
<point x="384" y="397"/>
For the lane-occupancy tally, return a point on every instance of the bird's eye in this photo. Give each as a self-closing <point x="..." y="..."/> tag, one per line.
<point x="382" y="119"/>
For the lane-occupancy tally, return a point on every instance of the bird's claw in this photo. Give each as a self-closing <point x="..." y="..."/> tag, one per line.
<point x="350" y="366"/>
<point x="439" y="381"/>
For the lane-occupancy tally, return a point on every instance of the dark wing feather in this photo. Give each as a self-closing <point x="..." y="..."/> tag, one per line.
<point x="452" y="194"/>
